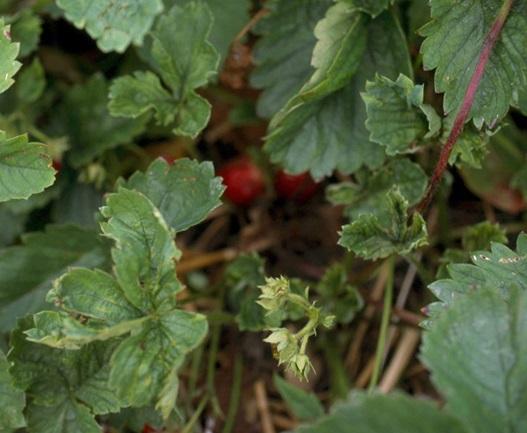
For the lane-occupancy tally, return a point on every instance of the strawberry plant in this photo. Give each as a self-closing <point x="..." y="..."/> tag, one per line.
<point x="371" y="290"/>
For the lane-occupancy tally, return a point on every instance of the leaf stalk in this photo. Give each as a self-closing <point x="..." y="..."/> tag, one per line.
<point x="466" y="105"/>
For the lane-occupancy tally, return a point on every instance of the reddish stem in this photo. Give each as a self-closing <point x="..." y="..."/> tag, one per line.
<point x="468" y="100"/>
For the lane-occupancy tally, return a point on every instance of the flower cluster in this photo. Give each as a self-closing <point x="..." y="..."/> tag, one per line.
<point x="290" y="347"/>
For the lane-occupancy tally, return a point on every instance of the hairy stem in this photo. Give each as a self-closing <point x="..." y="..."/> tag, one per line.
<point x="385" y="321"/>
<point x="468" y="100"/>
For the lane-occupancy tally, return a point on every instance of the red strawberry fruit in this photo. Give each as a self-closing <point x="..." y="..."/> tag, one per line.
<point x="244" y="181"/>
<point x="297" y="187"/>
<point x="147" y="428"/>
<point x="169" y="159"/>
<point x="57" y="165"/>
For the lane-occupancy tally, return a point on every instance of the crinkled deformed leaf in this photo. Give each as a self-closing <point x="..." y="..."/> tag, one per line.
<point x="26" y="29"/>
<point x="396" y="413"/>
<point x="368" y="196"/>
<point x="372" y="237"/>
<point x="25" y="168"/>
<point x="26" y="270"/>
<point x="12" y="399"/>
<point x="182" y="56"/>
<point x="114" y="24"/>
<point x="184" y="192"/>
<point x="282" y="54"/>
<point x="321" y="128"/>
<point x="8" y="54"/>
<point x="144" y="249"/>
<point x="499" y="270"/>
<point x="477" y="353"/>
<point x="65" y="388"/>
<point x="137" y="302"/>
<point x="397" y="116"/>
<point x="337" y="295"/>
<point x="454" y="41"/>
<point x="84" y="117"/>
<point x="152" y="357"/>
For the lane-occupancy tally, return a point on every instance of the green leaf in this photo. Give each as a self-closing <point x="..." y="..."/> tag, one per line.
<point x="92" y="293"/>
<point x="470" y="148"/>
<point x="132" y="96"/>
<point x="78" y="204"/>
<point x="337" y="295"/>
<point x="341" y="41"/>
<point x="26" y="29"/>
<point x="504" y="159"/>
<point x="14" y="215"/>
<point x="522" y="101"/>
<point x="12" y="399"/>
<point x="321" y="128"/>
<point x="476" y="237"/>
<point x="481" y="236"/>
<point x="183" y="58"/>
<point x="304" y="405"/>
<point x="25" y="168"/>
<point x="31" y="83"/>
<point x="283" y="52"/>
<point x="394" y="413"/>
<point x="229" y="18"/>
<point x="137" y="302"/>
<point x="84" y="117"/>
<point x="8" y="53"/>
<point x="461" y="27"/>
<point x="184" y="192"/>
<point x="14" y="225"/>
<point x="418" y="14"/>
<point x="499" y="270"/>
<point x="372" y="7"/>
<point x="66" y="388"/>
<point x="134" y="419"/>
<point x="372" y="238"/>
<point x="369" y="195"/>
<point x="243" y="276"/>
<point x="145" y="363"/>
<point x="115" y="25"/>
<point x="397" y="116"/>
<point x="477" y="353"/>
<point x="519" y="181"/>
<point x="26" y="270"/>
<point x="65" y="417"/>
<point x="144" y="249"/>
